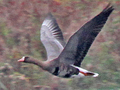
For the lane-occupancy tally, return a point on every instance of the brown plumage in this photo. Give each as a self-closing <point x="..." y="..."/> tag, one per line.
<point x="64" y="60"/>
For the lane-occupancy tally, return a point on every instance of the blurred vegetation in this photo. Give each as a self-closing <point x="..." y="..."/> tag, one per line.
<point x="20" y="22"/>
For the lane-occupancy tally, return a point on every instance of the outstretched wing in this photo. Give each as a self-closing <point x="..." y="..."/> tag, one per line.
<point x="78" y="45"/>
<point x="52" y="37"/>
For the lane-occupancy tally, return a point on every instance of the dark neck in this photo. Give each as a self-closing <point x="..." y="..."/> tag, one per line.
<point x="39" y="63"/>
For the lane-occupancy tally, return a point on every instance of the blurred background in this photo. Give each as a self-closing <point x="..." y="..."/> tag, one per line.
<point x="20" y="22"/>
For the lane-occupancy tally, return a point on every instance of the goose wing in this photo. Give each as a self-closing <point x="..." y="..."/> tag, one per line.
<point x="78" y="44"/>
<point x="52" y="37"/>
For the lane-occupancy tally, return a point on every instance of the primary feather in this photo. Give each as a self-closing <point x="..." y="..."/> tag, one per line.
<point x="79" y="44"/>
<point x="52" y="37"/>
<point x="64" y="61"/>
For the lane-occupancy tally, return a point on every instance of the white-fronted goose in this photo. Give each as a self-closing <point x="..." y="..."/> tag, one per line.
<point x="64" y="60"/>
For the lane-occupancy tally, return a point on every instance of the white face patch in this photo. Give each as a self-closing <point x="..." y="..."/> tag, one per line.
<point x="23" y="57"/>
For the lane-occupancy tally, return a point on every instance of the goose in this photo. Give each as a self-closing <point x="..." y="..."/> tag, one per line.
<point x="64" y="59"/>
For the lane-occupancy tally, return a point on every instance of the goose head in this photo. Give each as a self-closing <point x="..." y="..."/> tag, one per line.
<point x="24" y="59"/>
<point x="43" y="64"/>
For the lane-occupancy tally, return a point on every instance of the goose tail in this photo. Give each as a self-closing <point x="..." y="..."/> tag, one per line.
<point x="84" y="72"/>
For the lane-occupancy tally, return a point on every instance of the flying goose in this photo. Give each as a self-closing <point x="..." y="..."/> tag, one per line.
<point x="64" y="60"/>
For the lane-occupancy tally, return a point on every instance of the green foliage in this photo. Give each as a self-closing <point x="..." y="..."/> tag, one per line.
<point x="4" y="30"/>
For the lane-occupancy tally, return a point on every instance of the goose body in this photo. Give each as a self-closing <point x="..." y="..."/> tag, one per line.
<point x="64" y="60"/>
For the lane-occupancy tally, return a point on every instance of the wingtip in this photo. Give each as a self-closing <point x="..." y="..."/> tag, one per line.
<point x="107" y="10"/>
<point x="109" y="7"/>
<point x="49" y="15"/>
<point x="49" y="18"/>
